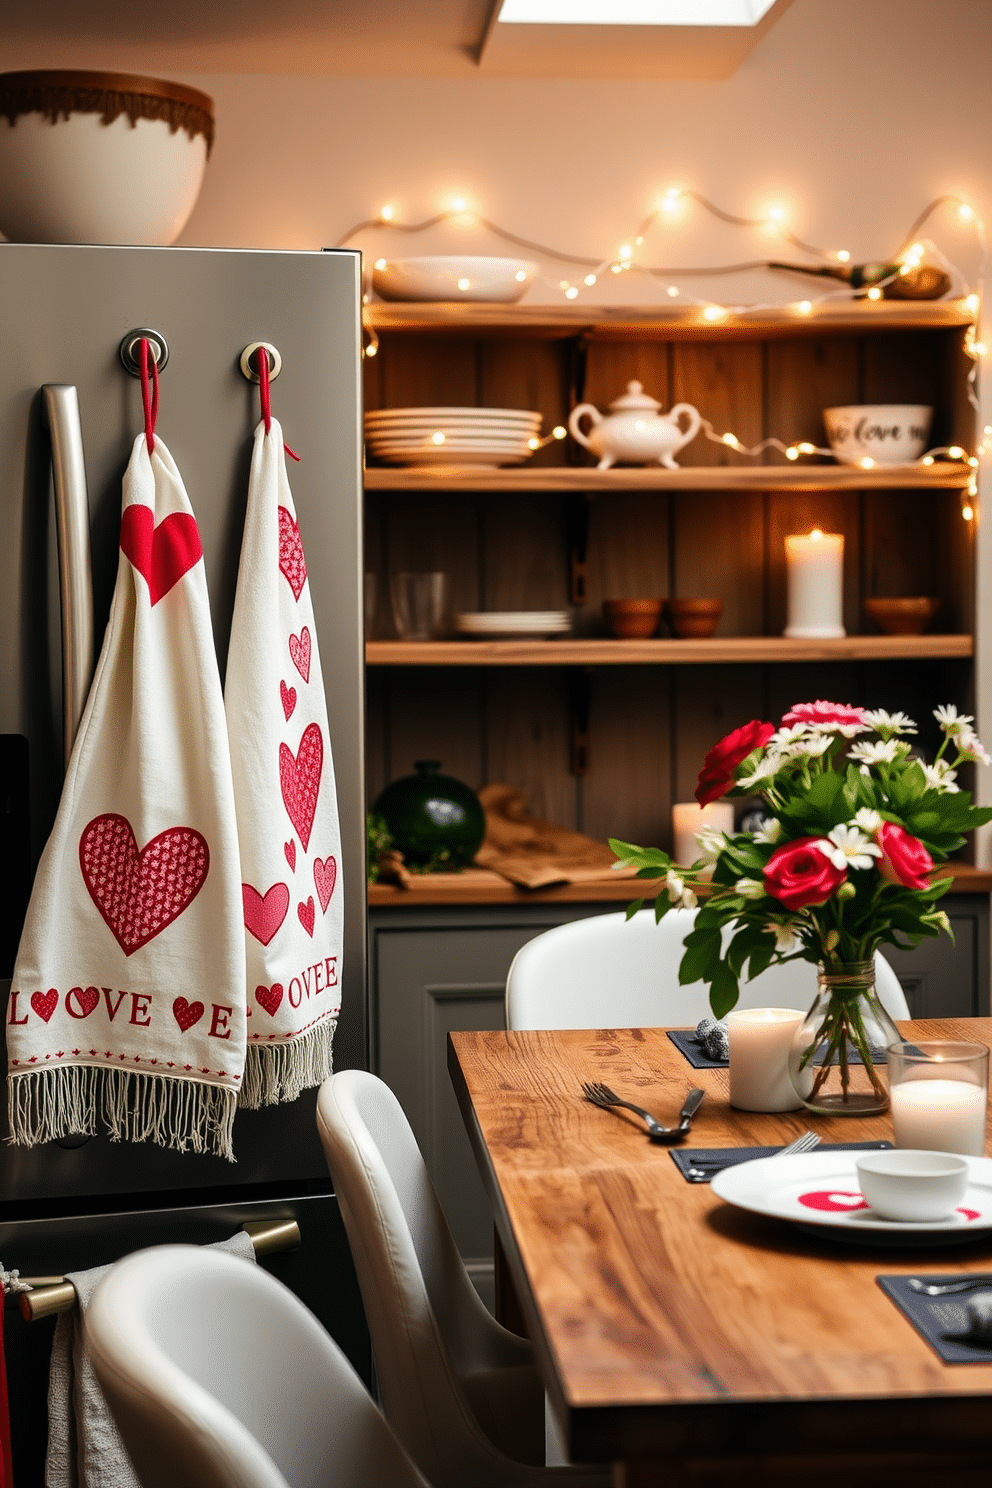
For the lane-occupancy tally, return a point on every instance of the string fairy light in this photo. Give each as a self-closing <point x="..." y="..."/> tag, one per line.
<point x="674" y="204"/>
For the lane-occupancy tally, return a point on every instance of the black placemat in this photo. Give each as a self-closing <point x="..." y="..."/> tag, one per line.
<point x="939" y="1319"/>
<point x="713" y="1160"/>
<point x="686" y="1040"/>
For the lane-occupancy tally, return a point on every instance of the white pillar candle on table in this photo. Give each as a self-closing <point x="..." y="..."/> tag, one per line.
<point x="760" y="1040"/>
<point x="939" y="1115"/>
<point x="688" y="817"/>
<point x="815" y="583"/>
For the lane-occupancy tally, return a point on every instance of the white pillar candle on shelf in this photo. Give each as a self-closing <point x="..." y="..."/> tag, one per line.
<point x="939" y="1115"/>
<point x="760" y="1040"/>
<point x="815" y="583"/>
<point x="688" y="817"/>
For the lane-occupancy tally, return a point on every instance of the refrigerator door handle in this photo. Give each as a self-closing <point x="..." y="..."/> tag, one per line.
<point x="72" y="519"/>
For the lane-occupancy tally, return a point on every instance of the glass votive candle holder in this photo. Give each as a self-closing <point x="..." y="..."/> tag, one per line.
<point x="938" y="1091"/>
<point x="760" y="1040"/>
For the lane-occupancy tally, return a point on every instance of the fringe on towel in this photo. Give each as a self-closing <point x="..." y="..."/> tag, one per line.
<point x="281" y="1071"/>
<point x="187" y="1115"/>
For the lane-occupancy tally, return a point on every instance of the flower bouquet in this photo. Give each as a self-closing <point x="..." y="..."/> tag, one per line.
<point x="842" y="863"/>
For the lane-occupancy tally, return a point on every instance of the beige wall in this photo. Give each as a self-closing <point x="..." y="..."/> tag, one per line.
<point x="852" y="114"/>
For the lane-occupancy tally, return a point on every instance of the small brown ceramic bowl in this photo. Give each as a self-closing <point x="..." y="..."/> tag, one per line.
<point x="632" y="619"/>
<point x="692" y="618"/>
<point x="908" y="616"/>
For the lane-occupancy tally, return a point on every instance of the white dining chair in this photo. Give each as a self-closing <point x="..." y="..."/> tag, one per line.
<point x="610" y="972"/>
<point x="462" y="1393"/>
<point x="218" y="1377"/>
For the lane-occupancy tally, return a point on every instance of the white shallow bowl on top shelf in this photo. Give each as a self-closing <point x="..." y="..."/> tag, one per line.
<point x="453" y="277"/>
<point x="401" y="418"/>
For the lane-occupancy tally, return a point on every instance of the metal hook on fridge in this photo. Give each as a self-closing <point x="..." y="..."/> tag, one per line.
<point x="275" y="360"/>
<point x="130" y="349"/>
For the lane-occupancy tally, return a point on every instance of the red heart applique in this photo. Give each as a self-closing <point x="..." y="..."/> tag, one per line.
<point x="291" y="560"/>
<point x="289" y="848"/>
<point x="269" y="998"/>
<point x="88" y="998"/>
<point x="45" y="1003"/>
<point x="186" y="1013"/>
<point x="306" y="913"/>
<point x="299" y="779"/>
<point x="299" y="650"/>
<point x="325" y="876"/>
<point x="288" y="695"/>
<point x="264" y="913"/>
<point x="140" y="893"/>
<point x="163" y="553"/>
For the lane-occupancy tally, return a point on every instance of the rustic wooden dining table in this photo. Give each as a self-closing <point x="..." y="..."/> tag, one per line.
<point x="686" y="1341"/>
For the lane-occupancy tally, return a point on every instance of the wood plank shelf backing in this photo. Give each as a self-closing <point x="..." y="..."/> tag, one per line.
<point x="953" y="476"/>
<point x="665" y="652"/>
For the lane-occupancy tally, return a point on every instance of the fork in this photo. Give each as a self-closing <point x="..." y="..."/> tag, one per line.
<point x="804" y="1143"/>
<point x="602" y="1096"/>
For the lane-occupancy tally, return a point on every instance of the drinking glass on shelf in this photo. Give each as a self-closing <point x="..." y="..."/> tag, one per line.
<point x="421" y="605"/>
<point x="371" y="601"/>
<point x="938" y="1091"/>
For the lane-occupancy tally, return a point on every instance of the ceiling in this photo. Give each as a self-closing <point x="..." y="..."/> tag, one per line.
<point x="418" y="38"/>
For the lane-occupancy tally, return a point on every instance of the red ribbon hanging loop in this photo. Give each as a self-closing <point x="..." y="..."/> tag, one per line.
<point x="149" y="393"/>
<point x="265" y="395"/>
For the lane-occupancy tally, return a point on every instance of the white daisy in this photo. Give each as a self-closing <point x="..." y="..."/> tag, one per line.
<point x="888" y="724"/>
<point x="876" y="752"/>
<point x="784" y="928"/>
<point x="750" y="888"/>
<point x="711" y="843"/>
<point x="810" y="748"/>
<point x="951" y="721"/>
<point x="770" y="830"/>
<point x="972" y="748"/>
<point x="788" y="735"/>
<point x="764" y="771"/>
<point x="847" y="847"/>
<point x="868" y="820"/>
<point x="941" y="777"/>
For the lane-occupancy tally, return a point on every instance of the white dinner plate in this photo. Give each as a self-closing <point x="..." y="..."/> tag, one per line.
<point x="819" y="1191"/>
<point x="416" y="441"/>
<point x="451" y="415"/>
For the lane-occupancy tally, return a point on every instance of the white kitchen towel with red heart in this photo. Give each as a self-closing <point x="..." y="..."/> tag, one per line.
<point x="284" y="797"/>
<point x="128" y="997"/>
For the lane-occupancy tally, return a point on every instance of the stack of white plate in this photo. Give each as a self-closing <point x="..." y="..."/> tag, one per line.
<point x="447" y="437"/>
<point x="514" y="624"/>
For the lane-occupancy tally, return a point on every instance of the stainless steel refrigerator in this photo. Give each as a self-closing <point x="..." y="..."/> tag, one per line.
<point x="65" y="312"/>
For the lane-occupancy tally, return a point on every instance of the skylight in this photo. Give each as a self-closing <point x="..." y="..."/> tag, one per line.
<point x="634" y="12"/>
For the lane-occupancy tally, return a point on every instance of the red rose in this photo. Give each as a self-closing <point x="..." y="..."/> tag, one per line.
<point x="904" y="859"/>
<point x="717" y="774"/>
<point x="800" y="874"/>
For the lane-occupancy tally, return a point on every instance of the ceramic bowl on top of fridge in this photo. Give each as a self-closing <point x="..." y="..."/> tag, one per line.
<point x="448" y="277"/>
<point x="100" y="157"/>
<point x="884" y="433"/>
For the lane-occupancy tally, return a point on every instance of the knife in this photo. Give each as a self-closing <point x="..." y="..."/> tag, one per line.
<point x="693" y="1101"/>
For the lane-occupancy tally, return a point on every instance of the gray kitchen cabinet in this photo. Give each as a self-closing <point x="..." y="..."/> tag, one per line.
<point x="435" y="970"/>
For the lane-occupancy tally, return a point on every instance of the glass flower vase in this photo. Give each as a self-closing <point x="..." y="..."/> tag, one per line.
<point x="837" y="1049"/>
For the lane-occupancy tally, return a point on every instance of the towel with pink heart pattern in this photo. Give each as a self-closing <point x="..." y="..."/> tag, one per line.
<point x="127" y="1005"/>
<point x="284" y="797"/>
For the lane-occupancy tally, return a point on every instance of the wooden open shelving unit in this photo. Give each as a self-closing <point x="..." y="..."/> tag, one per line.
<point x="604" y="735"/>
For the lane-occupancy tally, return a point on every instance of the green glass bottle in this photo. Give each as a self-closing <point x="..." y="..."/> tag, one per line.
<point x="435" y="821"/>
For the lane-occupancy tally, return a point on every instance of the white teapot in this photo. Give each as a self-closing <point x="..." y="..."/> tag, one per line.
<point x="634" y="431"/>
